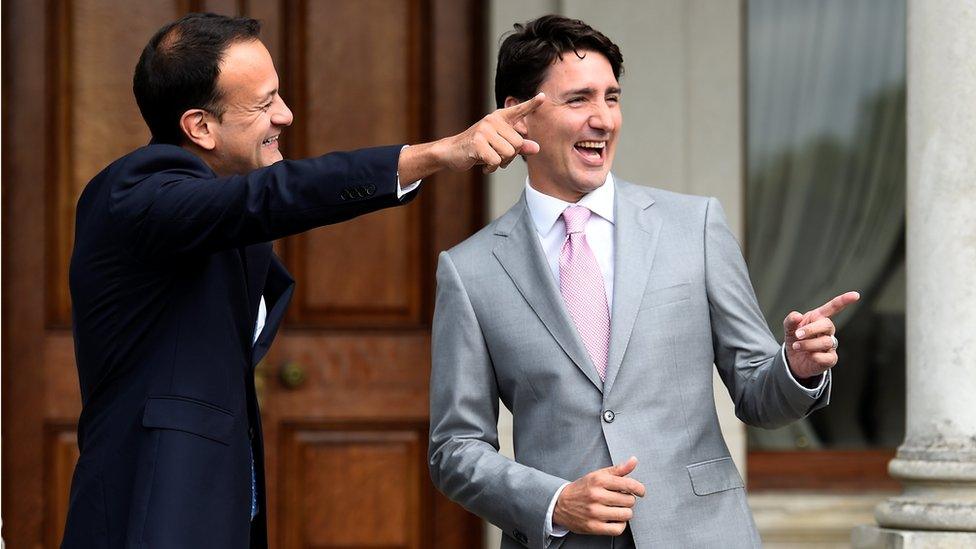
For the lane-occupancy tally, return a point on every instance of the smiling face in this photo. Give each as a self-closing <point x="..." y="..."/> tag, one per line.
<point x="576" y="128"/>
<point x="246" y="136"/>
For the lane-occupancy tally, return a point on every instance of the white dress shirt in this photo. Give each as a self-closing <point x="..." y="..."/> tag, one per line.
<point x="546" y="213"/>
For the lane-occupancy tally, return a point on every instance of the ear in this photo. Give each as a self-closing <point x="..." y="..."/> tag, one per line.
<point x="197" y="126"/>
<point x="519" y="126"/>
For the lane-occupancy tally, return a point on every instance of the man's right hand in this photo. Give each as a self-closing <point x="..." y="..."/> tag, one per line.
<point x="601" y="502"/>
<point x="492" y="143"/>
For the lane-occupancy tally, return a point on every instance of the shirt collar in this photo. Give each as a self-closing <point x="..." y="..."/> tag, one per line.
<point x="545" y="210"/>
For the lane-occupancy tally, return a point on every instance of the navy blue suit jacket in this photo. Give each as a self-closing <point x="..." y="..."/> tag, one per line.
<point x="168" y="269"/>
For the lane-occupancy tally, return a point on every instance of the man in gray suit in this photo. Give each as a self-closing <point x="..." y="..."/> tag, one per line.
<point x="595" y="309"/>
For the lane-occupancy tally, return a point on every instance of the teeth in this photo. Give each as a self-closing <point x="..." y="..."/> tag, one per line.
<point x="592" y="144"/>
<point x="270" y="140"/>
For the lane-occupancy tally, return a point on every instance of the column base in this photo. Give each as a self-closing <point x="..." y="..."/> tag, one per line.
<point x="875" y="537"/>
<point x="939" y="493"/>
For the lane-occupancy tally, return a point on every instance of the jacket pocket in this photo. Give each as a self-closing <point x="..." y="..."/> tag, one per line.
<point x="669" y="294"/>
<point x="190" y="416"/>
<point x="714" y="475"/>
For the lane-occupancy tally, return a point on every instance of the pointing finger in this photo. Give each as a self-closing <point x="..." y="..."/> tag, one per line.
<point x="837" y="304"/>
<point x="516" y="112"/>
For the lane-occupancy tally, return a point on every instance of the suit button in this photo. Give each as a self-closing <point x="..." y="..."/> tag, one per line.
<point x="522" y="538"/>
<point x="608" y="416"/>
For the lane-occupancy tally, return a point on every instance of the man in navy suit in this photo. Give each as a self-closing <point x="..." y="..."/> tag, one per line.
<point x="176" y="293"/>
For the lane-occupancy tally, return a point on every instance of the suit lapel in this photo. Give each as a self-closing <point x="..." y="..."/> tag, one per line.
<point x="636" y="231"/>
<point x="521" y="255"/>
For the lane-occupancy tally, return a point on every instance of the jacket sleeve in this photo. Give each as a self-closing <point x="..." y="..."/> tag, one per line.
<point x="167" y="201"/>
<point x="747" y="356"/>
<point x="463" y="455"/>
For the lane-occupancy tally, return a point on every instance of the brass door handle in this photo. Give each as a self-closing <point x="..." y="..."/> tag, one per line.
<point x="292" y="375"/>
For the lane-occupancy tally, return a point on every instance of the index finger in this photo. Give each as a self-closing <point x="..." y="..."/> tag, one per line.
<point x="838" y="304"/>
<point x="515" y="112"/>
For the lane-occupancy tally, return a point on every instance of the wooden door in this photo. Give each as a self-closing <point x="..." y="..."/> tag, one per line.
<point x="344" y="388"/>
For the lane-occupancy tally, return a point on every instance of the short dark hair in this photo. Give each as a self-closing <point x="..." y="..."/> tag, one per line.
<point x="528" y="51"/>
<point x="178" y="70"/>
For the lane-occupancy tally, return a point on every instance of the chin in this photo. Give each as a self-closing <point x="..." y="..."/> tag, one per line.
<point x="592" y="183"/>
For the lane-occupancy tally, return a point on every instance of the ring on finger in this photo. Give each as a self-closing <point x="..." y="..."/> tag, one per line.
<point x="833" y="342"/>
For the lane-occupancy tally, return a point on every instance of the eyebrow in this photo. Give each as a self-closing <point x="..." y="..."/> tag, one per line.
<point x="590" y="91"/>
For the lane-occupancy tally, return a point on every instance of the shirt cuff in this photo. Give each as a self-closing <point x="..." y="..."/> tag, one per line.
<point x="401" y="192"/>
<point x="814" y="392"/>
<point x="554" y="530"/>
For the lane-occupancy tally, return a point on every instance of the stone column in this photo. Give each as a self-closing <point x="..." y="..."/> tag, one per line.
<point x="937" y="461"/>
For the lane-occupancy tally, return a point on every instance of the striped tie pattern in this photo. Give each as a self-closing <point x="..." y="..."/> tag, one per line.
<point x="581" y="285"/>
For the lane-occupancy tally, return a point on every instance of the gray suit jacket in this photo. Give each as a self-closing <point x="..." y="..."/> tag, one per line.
<point x="682" y="302"/>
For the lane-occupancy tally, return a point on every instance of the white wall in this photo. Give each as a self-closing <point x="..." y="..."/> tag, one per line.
<point x="682" y="111"/>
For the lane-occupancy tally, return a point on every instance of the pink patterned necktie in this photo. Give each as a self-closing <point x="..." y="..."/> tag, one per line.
<point x="581" y="285"/>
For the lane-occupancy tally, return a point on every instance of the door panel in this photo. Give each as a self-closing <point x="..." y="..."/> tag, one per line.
<point x="374" y="48"/>
<point x="344" y="388"/>
<point x="354" y="485"/>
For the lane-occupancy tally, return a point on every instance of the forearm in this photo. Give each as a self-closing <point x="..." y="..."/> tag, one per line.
<point x="750" y="361"/>
<point x="767" y="395"/>
<point x="420" y="161"/>
<point x="184" y="210"/>
<point x="510" y="495"/>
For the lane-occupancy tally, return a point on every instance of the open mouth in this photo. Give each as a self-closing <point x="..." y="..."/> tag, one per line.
<point x="592" y="152"/>
<point x="271" y="141"/>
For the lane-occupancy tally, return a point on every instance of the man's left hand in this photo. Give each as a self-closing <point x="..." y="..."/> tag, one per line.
<point x="811" y="347"/>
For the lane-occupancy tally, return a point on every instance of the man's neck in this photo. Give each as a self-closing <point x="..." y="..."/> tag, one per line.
<point x="555" y="191"/>
<point x="207" y="158"/>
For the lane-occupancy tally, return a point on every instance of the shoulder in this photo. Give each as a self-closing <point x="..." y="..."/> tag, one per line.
<point x="489" y="236"/>
<point x="669" y="202"/>
<point x="162" y="159"/>
<point x="129" y="183"/>
<point x="151" y="160"/>
<point x="473" y="256"/>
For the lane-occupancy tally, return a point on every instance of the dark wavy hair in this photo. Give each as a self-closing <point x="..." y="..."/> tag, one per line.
<point x="178" y="70"/>
<point x="528" y="51"/>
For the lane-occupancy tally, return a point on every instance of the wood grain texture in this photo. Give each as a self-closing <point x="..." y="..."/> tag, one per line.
<point x="94" y="118"/>
<point x="354" y="484"/>
<point x="374" y="48"/>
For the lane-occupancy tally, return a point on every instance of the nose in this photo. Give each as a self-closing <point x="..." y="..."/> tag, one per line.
<point x="601" y="119"/>
<point x="282" y="116"/>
